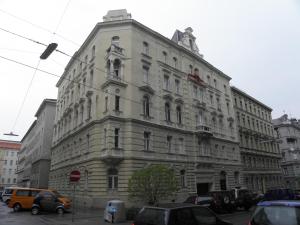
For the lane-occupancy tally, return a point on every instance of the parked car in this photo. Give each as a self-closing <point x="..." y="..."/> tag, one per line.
<point x="203" y="200"/>
<point x="1" y="196"/>
<point x="279" y="212"/>
<point x="22" y="198"/>
<point x="6" y="194"/>
<point x="47" y="201"/>
<point x="222" y="201"/>
<point x="177" y="214"/>
<point x="280" y="194"/>
<point x="244" y="198"/>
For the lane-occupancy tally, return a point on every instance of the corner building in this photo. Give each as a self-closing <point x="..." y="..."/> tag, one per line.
<point x="131" y="97"/>
<point x="288" y="132"/>
<point x="260" y="153"/>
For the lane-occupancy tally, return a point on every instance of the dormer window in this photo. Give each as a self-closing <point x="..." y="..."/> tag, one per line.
<point x="191" y="44"/>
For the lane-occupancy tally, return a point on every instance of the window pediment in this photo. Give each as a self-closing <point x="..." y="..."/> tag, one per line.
<point x="168" y="97"/>
<point x="147" y="88"/>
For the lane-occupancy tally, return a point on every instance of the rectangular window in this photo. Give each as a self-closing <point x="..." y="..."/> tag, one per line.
<point x="177" y="86"/>
<point x="117" y="133"/>
<point x="169" y="143"/>
<point x="166" y="82"/>
<point x="147" y="141"/>
<point x="106" y="103"/>
<point x="146" y="74"/>
<point x="195" y="91"/>
<point x="10" y="162"/>
<point x="180" y="146"/>
<point x="113" y="182"/>
<point x="104" y="137"/>
<point x="117" y="103"/>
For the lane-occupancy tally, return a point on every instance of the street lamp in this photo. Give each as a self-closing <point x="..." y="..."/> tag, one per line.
<point x="10" y="134"/>
<point x="50" y="48"/>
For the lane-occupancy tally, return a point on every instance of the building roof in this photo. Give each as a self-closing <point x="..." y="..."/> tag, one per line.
<point x="250" y="97"/>
<point x="145" y="28"/>
<point x="5" y="144"/>
<point x="28" y="131"/>
<point x="45" y="101"/>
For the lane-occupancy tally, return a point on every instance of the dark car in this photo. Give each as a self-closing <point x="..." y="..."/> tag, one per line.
<point x="223" y="201"/>
<point x="177" y="214"/>
<point x="47" y="201"/>
<point x="279" y="194"/>
<point x="279" y="212"/>
<point x="203" y="200"/>
<point x="244" y="198"/>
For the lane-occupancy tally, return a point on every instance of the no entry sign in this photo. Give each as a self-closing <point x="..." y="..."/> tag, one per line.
<point x="74" y="176"/>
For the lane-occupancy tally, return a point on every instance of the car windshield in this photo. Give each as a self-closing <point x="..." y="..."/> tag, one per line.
<point x="57" y="194"/>
<point x="152" y="216"/>
<point x="276" y="215"/>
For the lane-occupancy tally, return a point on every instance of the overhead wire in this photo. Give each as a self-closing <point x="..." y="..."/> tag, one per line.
<point x="94" y="88"/>
<point x="36" y="68"/>
<point x="38" y="26"/>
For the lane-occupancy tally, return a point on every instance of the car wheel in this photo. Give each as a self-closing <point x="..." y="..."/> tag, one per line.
<point x="60" y="211"/>
<point x="35" y="211"/>
<point x="17" y="207"/>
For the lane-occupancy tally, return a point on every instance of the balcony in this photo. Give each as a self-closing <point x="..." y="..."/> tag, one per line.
<point x="112" y="155"/>
<point x="203" y="131"/>
<point x="112" y="78"/>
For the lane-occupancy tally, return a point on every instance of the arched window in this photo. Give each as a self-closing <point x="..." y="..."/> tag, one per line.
<point x="178" y="114"/>
<point x="168" y="112"/>
<point x="223" y="185"/>
<point x="117" y="67"/>
<point x="146" y="106"/>
<point x="112" y="178"/>
<point x="196" y="71"/>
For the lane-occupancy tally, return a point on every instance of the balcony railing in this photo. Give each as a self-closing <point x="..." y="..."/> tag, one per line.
<point x="203" y="130"/>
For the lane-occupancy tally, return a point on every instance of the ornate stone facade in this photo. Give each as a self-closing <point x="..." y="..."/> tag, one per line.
<point x="131" y="97"/>
<point x="288" y="132"/>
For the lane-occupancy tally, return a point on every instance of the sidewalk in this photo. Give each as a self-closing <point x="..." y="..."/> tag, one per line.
<point x="85" y="216"/>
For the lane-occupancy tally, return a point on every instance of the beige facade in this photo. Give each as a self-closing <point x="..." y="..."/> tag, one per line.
<point x="131" y="97"/>
<point x="260" y="154"/>
<point x="8" y="162"/>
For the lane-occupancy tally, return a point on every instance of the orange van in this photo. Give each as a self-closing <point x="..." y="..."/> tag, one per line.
<point x="22" y="198"/>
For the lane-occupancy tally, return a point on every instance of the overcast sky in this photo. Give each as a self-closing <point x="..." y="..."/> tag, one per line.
<point x="255" y="42"/>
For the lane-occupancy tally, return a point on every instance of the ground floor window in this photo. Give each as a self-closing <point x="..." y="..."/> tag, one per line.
<point x="112" y="179"/>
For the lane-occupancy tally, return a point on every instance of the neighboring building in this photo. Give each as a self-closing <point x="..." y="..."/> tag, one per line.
<point x="288" y="132"/>
<point x="260" y="153"/>
<point x="131" y="97"/>
<point x="8" y="162"/>
<point x="34" y="156"/>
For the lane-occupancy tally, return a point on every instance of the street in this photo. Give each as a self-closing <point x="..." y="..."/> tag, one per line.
<point x="86" y="217"/>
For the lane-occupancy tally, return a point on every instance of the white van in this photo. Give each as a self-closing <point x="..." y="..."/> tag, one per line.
<point x="6" y="194"/>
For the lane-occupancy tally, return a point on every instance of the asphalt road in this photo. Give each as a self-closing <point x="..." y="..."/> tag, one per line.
<point x="83" y="217"/>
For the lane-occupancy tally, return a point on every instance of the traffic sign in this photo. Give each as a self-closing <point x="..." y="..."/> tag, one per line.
<point x="74" y="176"/>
